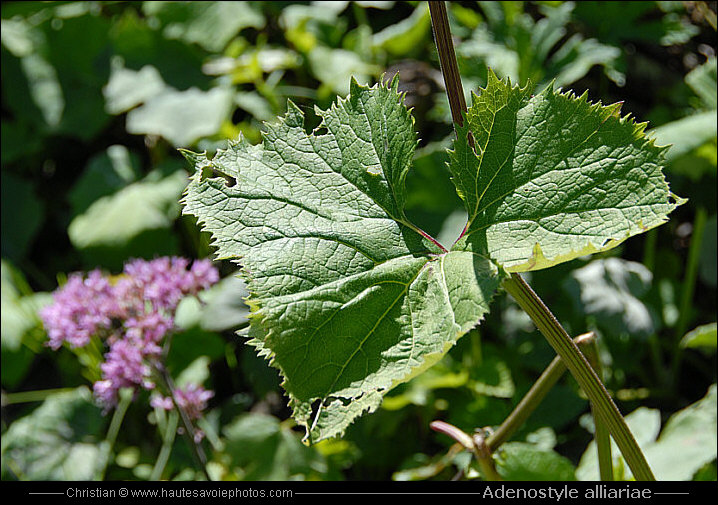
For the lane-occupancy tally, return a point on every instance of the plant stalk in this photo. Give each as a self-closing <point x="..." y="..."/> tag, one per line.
<point x="195" y="447"/>
<point x="689" y="284"/>
<point x="532" y="398"/>
<point x="168" y="438"/>
<point x="476" y="444"/>
<point x="576" y="363"/>
<point x="114" y="429"/>
<point x="601" y="434"/>
<point x="525" y="296"/>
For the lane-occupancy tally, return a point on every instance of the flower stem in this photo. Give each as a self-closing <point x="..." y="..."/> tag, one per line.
<point x="689" y="284"/>
<point x="114" y="429"/>
<point x="195" y="447"/>
<point x="168" y="439"/>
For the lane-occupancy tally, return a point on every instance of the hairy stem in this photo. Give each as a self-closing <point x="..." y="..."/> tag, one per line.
<point x="524" y="295"/>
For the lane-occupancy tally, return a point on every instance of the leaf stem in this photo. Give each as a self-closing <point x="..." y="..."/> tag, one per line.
<point x="476" y="444"/>
<point x="525" y="296"/>
<point x="576" y="363"/>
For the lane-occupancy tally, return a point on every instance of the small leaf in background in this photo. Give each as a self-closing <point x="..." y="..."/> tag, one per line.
<point x="520" y="461"/>
<point x="305" y="26"/>
<point x="613" y="290"/>
<point x="702" y="80"/>
<point x="139" y="45"/>
<point x="60" y="440"/>
<point x="209" y="24"/>
<point x="181" y="117"/>
<point x="219" y="308"/>
<point x="514" y="45"/>
<point x="687" y="442"/>
<point x="134" y="221"/>
<point x="104" y="174"/>
<point x="653" y="22"/>
<point x="335" y="68"/>
<point x="128" y="88"/>
<point x="22" y="215"/>
<point x="196" y="372"/>
<point x="686" y="134"/>
<point x="18" y="318"/>
<point x="260" y="448"/>
<point x="406" y="36"/>
<point x="703" y="336"/>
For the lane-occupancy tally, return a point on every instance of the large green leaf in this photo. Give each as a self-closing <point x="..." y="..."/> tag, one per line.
<point x="60" y="440"/>
<point x="349" y="298"/>
<point x="686" y="443"/>
<point x="552" y="177"/>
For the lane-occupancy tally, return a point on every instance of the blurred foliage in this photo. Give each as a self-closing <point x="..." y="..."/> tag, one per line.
<point x="97" y="96"/>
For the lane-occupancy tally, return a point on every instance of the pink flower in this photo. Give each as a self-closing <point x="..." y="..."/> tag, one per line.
<point x="133" y="314"/>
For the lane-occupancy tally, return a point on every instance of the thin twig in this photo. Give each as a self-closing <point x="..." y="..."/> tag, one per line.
<point x="533" y="398"/>
<point x="195" y="447"/>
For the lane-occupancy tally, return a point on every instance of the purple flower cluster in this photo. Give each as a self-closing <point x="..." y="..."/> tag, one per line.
<point x="193" y="400"/>
<point x="132" y="312"/>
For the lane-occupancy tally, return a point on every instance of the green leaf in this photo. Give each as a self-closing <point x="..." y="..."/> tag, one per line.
<point x="703" y="80"/>
<point x="686" y="444"/>
<point x="261" y="448"/>
<point x="334" y="67"/>
<point x="687" y="133"/>
<point x="209" y="24"/>
<point x="128" y="88"/>
<point x="135" y="221"/>
<point x="645" y="424"/>
<point x="349" y="298"/>
<point x="105" y="173"/>
<point x="19" y="323"/>
<point x="60" y="440"/>
<point x="520" y="461"/>
<point x="614" y="291"/>
<point x="703" y="336"/>
<point x="553" y="177"/>
<point x="407" y="35"/>
<point x="181" y="117"/>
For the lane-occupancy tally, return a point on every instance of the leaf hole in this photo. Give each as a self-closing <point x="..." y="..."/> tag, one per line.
<point x="209" y="172"/>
